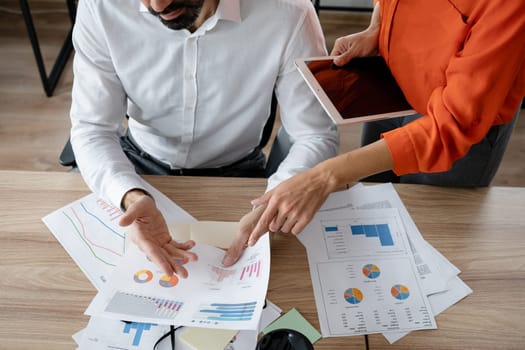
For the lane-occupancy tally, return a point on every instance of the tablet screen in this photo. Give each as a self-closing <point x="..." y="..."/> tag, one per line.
<point x="362" y="90"/>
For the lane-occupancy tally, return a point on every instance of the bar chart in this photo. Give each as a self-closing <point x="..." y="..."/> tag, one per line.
<point x="215" y="312"/>
<point x="362" y="236"/>
<point x="143" y="306"/>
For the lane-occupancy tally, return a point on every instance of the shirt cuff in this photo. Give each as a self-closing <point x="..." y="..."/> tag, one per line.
<point x="120" y="185"/>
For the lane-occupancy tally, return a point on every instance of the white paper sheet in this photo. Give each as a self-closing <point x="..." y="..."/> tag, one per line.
<point x="438" y="277"/>
<point x="363" y="273"/>
<point x="88" y="230"/>
<point x="433" y="271"/>
<point x="457" y="290"/>
<point x="212" y="296"/>
<point x="107" y="334"/>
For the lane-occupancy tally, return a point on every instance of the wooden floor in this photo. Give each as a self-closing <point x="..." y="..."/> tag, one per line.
<point x="34" y="128"/>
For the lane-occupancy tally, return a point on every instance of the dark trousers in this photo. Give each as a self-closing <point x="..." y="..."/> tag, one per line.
<point x="477" y="168"/>
<point x="249" y="166"/>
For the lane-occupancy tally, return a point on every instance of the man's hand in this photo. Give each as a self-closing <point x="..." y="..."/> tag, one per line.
<point x="150" y="233"/>
<point x="246" y="226"/>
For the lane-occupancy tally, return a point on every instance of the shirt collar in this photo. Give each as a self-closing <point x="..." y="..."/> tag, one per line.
<point x="229" y="10"/>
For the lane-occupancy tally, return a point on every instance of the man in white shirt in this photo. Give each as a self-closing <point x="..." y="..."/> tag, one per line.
<point x="195" y="78"/>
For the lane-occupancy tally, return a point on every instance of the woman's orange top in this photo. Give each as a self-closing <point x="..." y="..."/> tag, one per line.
<point x="460" y="63"/>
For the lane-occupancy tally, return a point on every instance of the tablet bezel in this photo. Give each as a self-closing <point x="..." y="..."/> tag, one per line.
<point x="326" y="102"/>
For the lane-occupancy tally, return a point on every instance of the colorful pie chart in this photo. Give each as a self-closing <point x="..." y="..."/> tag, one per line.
<point x="371" y="271"/>
<point x="400" y="292"/>
<point x="143" y="276"/>
<point x="168" y="281"/>
<point x="353" y="296"/>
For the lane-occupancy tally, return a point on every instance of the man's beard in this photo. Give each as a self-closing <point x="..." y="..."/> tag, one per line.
<point x="186" y="20"/>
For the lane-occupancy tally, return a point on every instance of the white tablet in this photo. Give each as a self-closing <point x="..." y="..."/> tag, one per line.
<point x="362" y="90"/>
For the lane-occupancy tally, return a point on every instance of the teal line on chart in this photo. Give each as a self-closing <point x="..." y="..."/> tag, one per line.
<point x="96" y="218"/>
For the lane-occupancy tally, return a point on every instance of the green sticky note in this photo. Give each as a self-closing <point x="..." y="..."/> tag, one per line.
<point x="294" y="320"/>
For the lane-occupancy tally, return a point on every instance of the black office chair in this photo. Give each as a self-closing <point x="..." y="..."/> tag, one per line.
<point x="318" y="7"/>
<point x="280" y="147"/>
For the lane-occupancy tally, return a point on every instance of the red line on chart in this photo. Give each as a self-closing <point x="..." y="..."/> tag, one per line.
<point x="87" y="239"/>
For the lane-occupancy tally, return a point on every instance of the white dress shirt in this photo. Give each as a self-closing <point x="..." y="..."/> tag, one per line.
<point x="194" y="100"/>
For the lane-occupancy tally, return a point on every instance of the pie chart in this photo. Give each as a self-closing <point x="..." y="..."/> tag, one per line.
<point x="143" y="276"/>
<point x="371" y="271"/>
<point x="168" y="281"/>
<point x="400" y="291"/>
<point x="353" y="296"/>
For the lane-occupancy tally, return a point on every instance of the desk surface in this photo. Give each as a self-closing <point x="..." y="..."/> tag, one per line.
<point x="43" y="294"/>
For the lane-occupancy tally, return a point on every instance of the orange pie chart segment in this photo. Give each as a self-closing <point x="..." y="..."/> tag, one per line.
<point x="168" y="281"/>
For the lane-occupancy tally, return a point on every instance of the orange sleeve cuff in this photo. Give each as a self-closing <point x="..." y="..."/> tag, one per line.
<point x="400" y="146"/>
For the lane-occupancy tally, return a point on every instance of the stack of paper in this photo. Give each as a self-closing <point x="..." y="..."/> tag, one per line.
<point x="131" y="288"/>
<point x="371" y="269"/>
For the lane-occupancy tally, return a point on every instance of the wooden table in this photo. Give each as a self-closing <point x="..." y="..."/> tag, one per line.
<point x="43" y="294"/>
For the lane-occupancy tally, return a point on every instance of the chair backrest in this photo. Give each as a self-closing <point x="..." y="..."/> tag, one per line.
<point x="281" y="143"/>
<point x="280" y="148"/>
<point x="268" y="127"/>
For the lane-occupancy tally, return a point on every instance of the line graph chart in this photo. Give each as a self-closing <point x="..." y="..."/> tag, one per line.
<point x="88" y="229"/>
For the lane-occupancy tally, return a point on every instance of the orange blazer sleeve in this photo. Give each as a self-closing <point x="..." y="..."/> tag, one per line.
<point x="483" y="85"/>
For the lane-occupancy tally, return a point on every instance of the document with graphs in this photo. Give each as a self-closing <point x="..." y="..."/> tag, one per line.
<point x="212" y="296"/>
<point x="363" y="272"/>
<point x="88" y="230"/>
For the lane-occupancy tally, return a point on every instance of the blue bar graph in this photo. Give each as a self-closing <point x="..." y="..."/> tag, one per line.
<point x="370" y="230"/>
<point x="384" y="235"/>
<point x="381" y="230"/>
<point x="139" y="327"/>
<point x="357" y="229"/>
<point x="228" y="312"/>
<point x="331" y="228"/>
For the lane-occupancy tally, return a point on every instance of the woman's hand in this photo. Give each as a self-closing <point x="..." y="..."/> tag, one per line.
<point x="360" y="44"/>
<point x="355" y="45"/>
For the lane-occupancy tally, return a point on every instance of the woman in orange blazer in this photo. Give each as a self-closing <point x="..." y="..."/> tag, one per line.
<point x="461" y="65"/>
